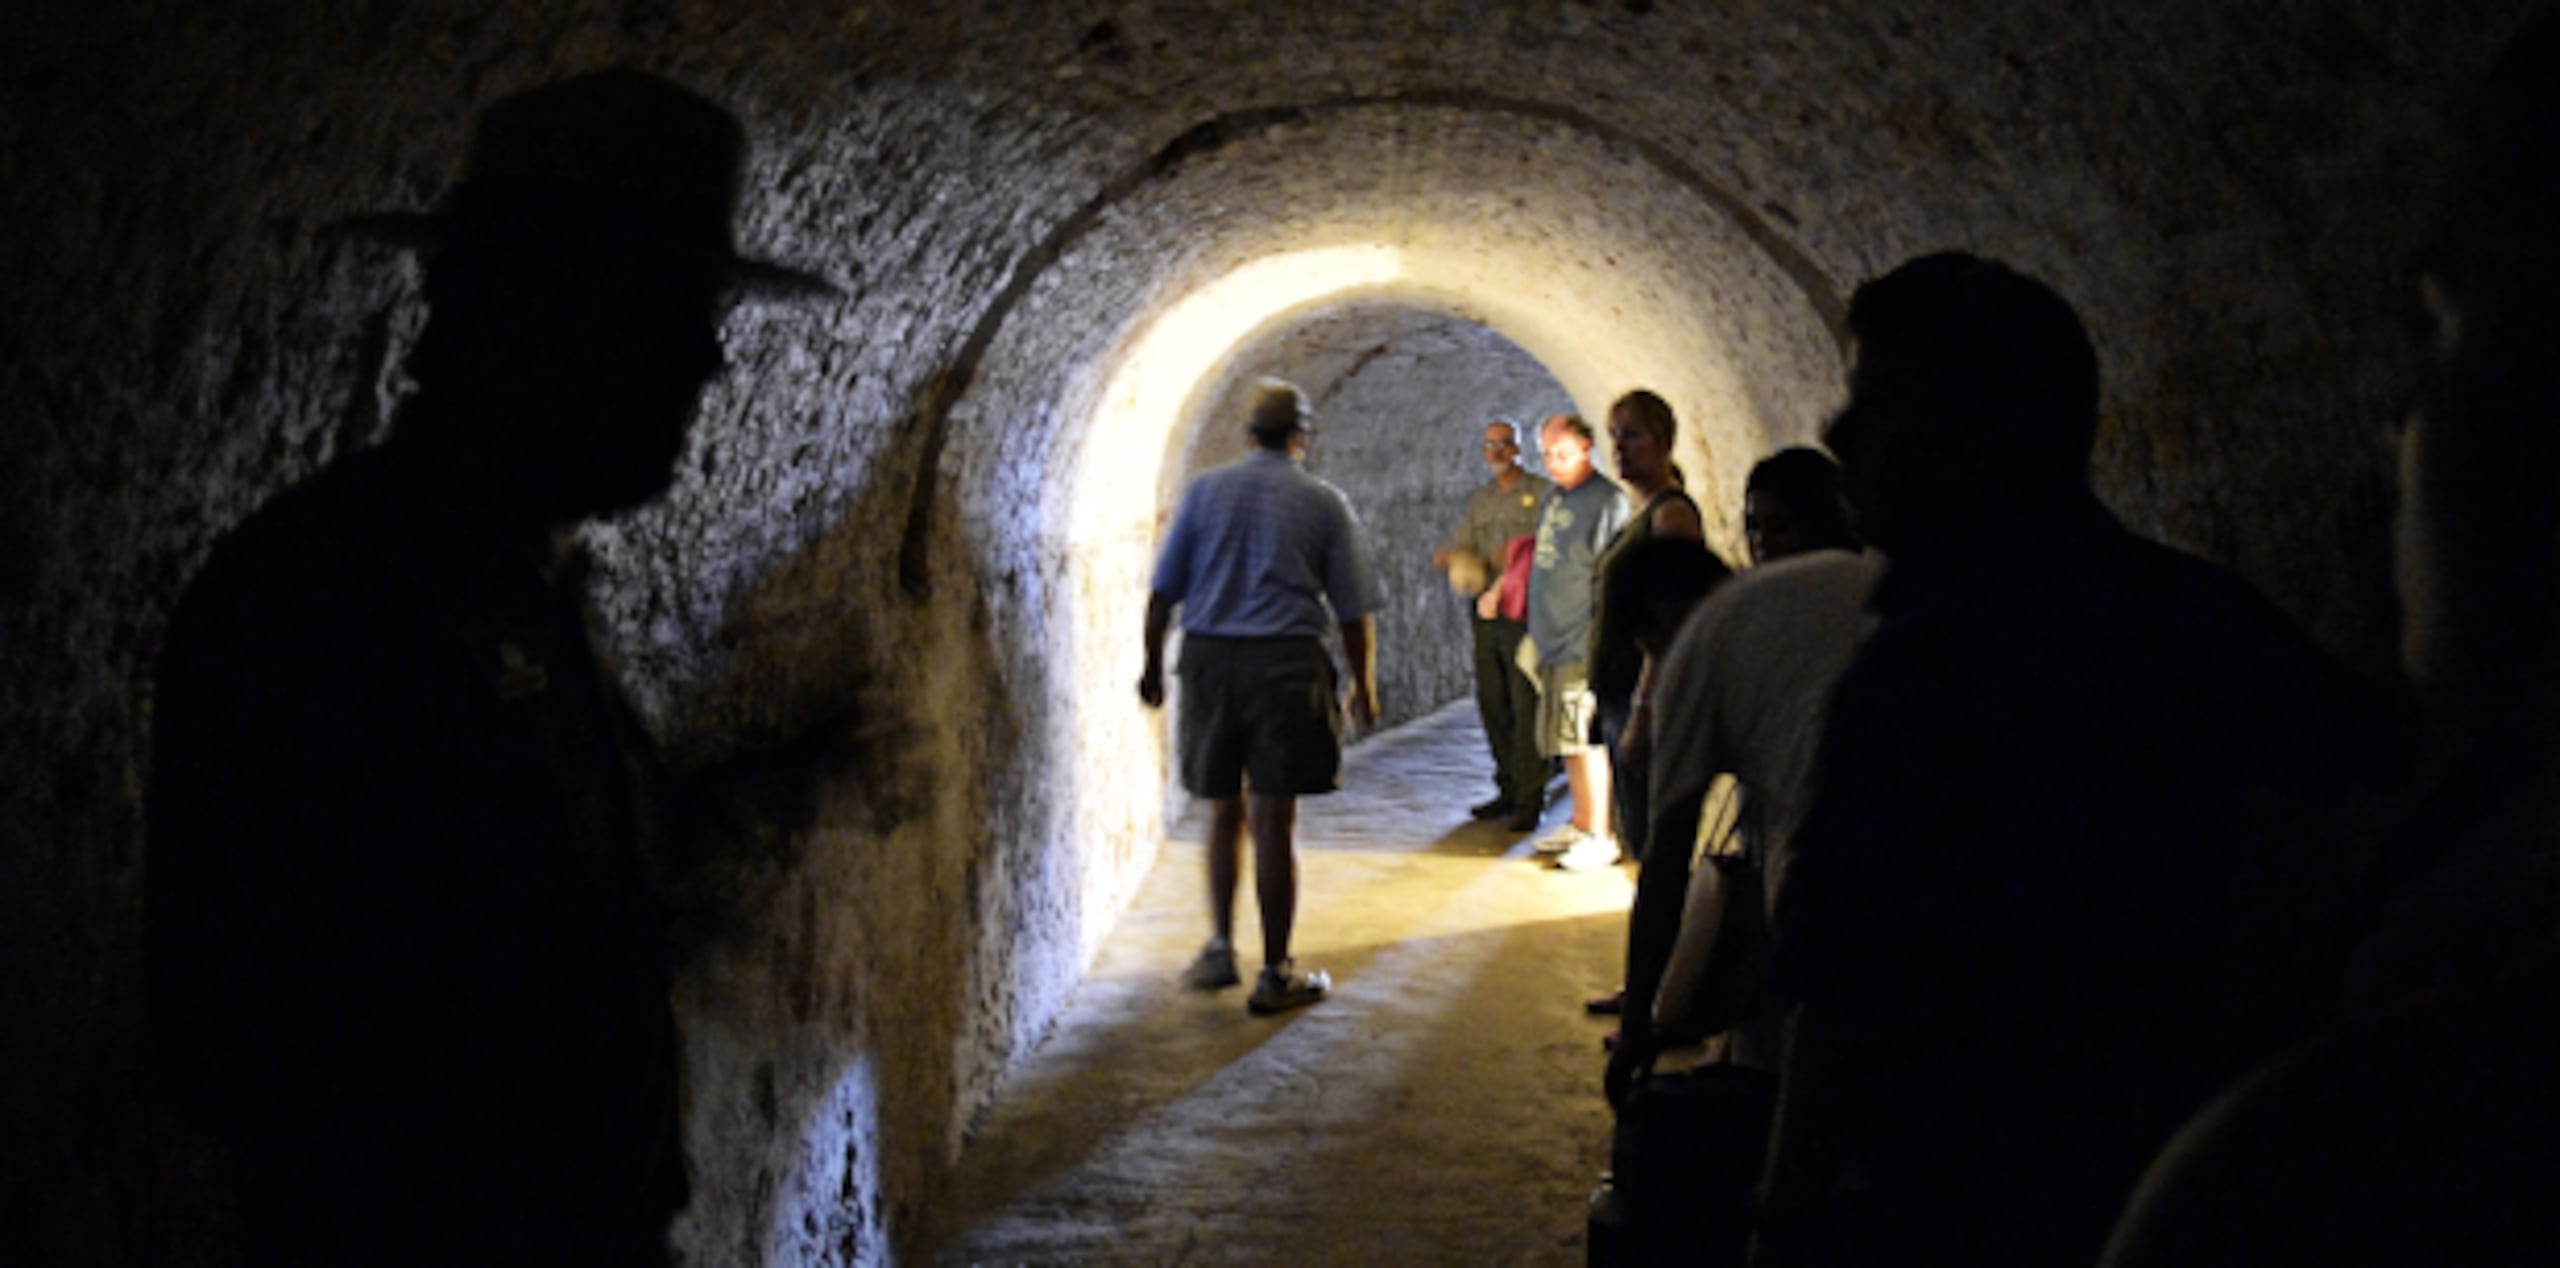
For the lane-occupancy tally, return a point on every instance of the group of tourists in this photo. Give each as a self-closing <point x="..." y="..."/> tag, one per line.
<point x="2104" y="918"/>
<point x="2073" y="904"/>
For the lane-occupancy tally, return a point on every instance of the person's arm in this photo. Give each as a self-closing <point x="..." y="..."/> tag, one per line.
<point x="1682" y="774"/>
<point x="1678" y="517"/>
<point x="1159" y="622"/>
<point x="1359" y="646"/>
<point x="1457" y="536"/>
<point x="1171" y="582"/>
<point x="1653" y="928"/>
<point x="1635" y="745"/>
<point x="1349" y="587"/>
<point x="1461" y="537"/>
<point x="1506" y="584"/>
<point x="1615" y="511"/>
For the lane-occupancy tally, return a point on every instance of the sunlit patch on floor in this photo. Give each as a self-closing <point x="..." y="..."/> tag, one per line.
<point x="1441" y="1107"/>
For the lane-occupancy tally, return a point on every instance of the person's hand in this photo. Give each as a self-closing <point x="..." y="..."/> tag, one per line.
<point x="1489" y="604"/>
<point x="1635" y="744"/>
<point x="1151" y="686"/>
<point x="1362" y="706"/>
<point x="1632" y="1057"/>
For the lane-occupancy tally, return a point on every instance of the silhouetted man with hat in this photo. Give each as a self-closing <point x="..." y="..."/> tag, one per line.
<point x="407" y="957"/>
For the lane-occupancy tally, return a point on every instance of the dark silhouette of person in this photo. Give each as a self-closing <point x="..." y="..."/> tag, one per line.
<point x="2425" y="1128"/>
<point x="2066" y="858"/>
<point x="406" y="955"/>
<point x="1742" y="691"/>
<point x="1791" y="504"/>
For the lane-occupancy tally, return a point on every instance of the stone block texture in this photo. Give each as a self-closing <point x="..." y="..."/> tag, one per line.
<point x="887" y="624"/>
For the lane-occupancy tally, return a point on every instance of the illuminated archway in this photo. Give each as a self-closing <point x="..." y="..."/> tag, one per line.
<point x="1107" y="359"/>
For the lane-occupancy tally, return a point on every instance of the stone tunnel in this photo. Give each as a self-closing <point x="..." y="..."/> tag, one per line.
<point x="886" y="626"/>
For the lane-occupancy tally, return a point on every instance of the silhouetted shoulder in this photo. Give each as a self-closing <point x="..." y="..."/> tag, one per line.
<point x="1814" y="572"/>
<point x="2205" y="597"/>
<point x="2270" y="672"/>
<point x="357" y="528"/>
<point x="2429" y="1138"/>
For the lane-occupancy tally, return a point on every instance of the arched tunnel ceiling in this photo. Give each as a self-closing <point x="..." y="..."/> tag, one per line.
<point x="2148" y="160"/>
<point x="2172" y="166"/>
<point x="1608" y="269"/>
<point x="1395" y="386"/>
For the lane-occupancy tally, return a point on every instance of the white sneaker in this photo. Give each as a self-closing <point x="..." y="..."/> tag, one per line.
<point x="1284" y="986"/>
<point x="1564" y="836"/>
<point x="1592" y="851"/>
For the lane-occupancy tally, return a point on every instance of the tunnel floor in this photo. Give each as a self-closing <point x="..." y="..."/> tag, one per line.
<point x="1442" y="1107"/>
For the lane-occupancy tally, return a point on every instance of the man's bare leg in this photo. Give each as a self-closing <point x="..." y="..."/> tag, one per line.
<point x="1587" y="776"/>
<point x="1275" y="872"/>
<point x="1282" y="985"/>
<point x="1226" y="844"/>
<point x="1215" y="968"/>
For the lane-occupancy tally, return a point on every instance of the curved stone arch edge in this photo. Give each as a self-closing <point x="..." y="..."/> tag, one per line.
<point x="939" y="396"/>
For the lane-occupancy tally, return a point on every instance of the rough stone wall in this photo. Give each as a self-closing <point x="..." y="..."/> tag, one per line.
<point x="870" y="623"/>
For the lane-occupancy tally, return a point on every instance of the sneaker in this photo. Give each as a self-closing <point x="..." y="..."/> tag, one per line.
<point x="1284" y="986"/>
<point x="1214" y="970"/>
<point x="1592" y="851"/>
<point x="1564" y="837"/>
<point x="1525" y="818"/>
<point x="1493" y="809"/>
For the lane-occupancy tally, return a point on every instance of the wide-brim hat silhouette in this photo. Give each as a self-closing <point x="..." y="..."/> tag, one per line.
<point x="616" y="162"/>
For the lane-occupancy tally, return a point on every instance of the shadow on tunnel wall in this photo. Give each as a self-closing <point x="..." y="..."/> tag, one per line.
<point x="847" y="915"/>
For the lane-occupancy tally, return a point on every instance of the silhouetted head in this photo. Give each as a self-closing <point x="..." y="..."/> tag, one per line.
<point x="1278" y="417"/>
<point x="1501" y="445"/>
<point x="1791" y="504"/>
<point x="1973" y="398"/>
<point x="1564" y="440"/>
<point x="1643" y="430"/>
<point x="1655" y="583"/>
<point x="2479" y="552"/>
<point x="576" y="277"/>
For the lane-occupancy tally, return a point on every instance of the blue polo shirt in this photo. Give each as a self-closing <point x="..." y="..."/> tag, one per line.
<point x="1573" y="528"/>
<point x="1260" y="549"/>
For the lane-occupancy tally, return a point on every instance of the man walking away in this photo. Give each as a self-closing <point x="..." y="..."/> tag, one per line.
<point x="1259" y="551"/>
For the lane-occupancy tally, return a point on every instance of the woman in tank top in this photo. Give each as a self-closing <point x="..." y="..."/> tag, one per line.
<point x="1642" y="430"/>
